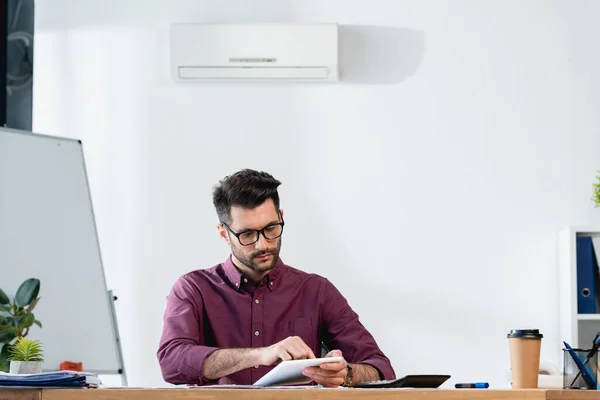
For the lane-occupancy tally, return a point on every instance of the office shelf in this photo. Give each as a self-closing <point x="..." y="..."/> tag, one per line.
<point x="576" y="329"/>
<point x="588" y="317"/>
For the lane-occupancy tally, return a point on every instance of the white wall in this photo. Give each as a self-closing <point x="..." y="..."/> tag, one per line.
<point x="429" y="186"/>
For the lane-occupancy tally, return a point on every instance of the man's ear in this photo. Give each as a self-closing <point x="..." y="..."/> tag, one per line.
<point x="223" y="233"/>
<point x="281" y="212"/>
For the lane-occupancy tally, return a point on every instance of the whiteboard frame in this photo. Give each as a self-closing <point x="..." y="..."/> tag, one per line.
<point x="110" y="298"/>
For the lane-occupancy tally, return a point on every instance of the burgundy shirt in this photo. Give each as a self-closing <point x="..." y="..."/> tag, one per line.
<point x="218" y="308"/>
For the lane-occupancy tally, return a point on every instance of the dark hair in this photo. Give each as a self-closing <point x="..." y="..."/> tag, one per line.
<point x="246" y="188"/>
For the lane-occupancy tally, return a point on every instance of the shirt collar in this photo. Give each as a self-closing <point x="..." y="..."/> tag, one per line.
<point x="235" y="276"/>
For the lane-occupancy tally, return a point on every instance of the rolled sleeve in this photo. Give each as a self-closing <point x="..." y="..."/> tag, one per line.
<point x="343" y="331"/>
<point x="182" y="351"/>
<point x="189" y="369"/>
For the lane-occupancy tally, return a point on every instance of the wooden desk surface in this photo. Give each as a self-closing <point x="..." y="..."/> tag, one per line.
<point x="293" y="394"/>
<point x="20" y="394"/>
<point x="289" y="394"/>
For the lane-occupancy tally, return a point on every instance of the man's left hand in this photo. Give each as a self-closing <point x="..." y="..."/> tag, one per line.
<point x="329" y="374"/>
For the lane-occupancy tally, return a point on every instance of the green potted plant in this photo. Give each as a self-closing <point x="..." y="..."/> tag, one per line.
<point x="26" y="356"/>
<point x="16" y="317"/>
<point x="596" y="197"/>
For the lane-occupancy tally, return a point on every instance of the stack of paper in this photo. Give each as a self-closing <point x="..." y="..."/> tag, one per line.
<point x="58" y="379"/>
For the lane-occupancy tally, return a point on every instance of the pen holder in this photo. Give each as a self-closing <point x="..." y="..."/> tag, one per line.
<point x="573" y="376"/>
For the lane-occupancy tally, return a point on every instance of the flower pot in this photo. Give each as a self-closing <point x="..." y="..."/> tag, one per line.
<point x="25" y="367"/>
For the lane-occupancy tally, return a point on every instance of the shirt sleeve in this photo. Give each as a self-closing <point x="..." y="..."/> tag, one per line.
<point x="343" y="331"/>
<point x="181" y="353"/>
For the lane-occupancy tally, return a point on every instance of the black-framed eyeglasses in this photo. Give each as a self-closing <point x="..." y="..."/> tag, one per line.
<point x="251" y="236"/>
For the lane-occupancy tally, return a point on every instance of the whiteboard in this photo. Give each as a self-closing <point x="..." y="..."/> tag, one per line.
<point x="47" y="231"/>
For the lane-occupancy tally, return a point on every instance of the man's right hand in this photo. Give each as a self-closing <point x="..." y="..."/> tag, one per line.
<point x="225" y="362"/>
<point x="291" y="348"/>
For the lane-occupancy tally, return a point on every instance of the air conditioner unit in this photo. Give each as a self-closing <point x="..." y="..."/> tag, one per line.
<point x="298" y="52"/>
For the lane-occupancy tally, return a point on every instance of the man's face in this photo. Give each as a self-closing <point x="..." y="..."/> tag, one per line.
<point x="262" y="255"/>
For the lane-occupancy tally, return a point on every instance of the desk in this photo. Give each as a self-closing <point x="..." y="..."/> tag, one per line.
<point x="293" y="394"/>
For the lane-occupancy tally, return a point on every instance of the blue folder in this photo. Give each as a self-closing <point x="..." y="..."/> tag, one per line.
<point x="57" y="379"/>
<point x="586" y="276"/>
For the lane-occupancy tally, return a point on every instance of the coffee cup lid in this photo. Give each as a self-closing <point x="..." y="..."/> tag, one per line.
<point x="525" y="334"/>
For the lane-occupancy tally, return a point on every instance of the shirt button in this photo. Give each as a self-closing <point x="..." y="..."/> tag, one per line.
<point x="257" y="301"/>
<point x="256" y="366"/>
<point x="245" y="280"/>
<point x="256" y="333"/>
<point x="271" y="283"/>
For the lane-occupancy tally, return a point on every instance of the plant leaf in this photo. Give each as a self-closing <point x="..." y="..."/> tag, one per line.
<point x="27" y="292"/>
<point x="13" y="321"/>
<point x="33" y="304"/>
<point x="27" y="320"/>
<point x="5" y="308"/>
<point x="4" y="298"/>
<point x="26" y="350"/>
<point x="7" y="333"/>
<point x="38" y="323"/>
<point x="4" y="364"/>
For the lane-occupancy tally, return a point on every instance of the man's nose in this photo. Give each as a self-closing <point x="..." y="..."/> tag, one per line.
<point x="262" y="242"/>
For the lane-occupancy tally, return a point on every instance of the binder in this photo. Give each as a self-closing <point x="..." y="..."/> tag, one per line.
<point x="596" y="245"/>
<point x="587" y="276"/>
<point x="58" y="379"/>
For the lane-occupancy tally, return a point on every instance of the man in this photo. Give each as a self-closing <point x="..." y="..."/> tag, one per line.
<point x="230" y="324"/>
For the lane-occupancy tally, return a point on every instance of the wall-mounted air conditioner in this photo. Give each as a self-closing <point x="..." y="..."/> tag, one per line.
<point x="210" y="52"/>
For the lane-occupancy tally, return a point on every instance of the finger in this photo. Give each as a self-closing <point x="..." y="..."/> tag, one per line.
<point x="284" y="355"/>
<point x="324" y="378"/>
<point x="334" y="353"/>
<point x="297" y="351"/>
<point x="322" y="374"/>
<point x="337" y="365"/>
<point x="303" y="347"/>
<point x="307" y="350"/>
<point x="334" y="366"/>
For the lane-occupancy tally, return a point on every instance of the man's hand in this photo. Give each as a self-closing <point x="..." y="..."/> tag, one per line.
<point x="291" y="348"/>
<point x="224" y="362"/>
<point x="328" y="374"/>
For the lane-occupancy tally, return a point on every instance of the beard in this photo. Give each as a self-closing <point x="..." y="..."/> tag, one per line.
<point x="249" y="259"/>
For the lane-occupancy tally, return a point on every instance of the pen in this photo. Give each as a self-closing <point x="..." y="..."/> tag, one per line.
<point x="587" y="376"/>
<point x="593" y="351"/>
<point x="476" y="385"/>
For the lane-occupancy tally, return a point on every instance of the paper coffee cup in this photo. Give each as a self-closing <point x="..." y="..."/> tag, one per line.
<point x="525" y="345"/>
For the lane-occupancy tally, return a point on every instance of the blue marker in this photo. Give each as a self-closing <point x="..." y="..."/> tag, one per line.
<point x="477" y="385"/>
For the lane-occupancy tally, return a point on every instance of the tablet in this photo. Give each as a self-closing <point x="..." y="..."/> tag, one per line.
<point x="290" y="372"/>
